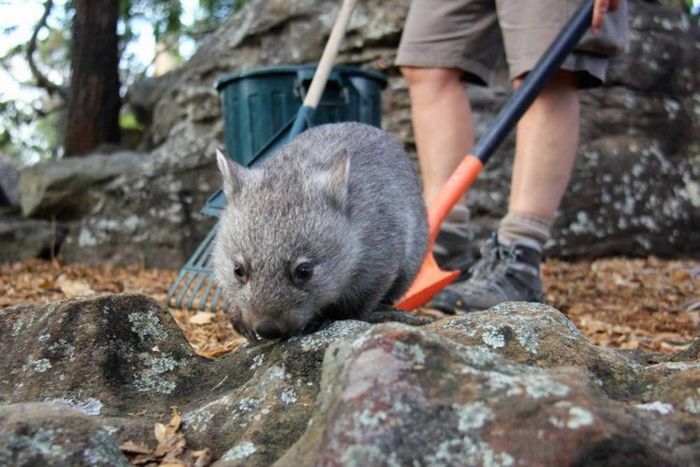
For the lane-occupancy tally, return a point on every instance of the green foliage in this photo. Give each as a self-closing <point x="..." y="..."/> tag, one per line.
<point x="27" y="135"/>
<point x="693" y="8"/>
<point x="214" y="12"/>
<point x="31" y="121"/>
<point x="165" y="15"/>
<point x="128" y="121"/>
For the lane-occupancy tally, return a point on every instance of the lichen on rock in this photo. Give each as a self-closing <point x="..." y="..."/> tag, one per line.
<point x="384" y="394"/>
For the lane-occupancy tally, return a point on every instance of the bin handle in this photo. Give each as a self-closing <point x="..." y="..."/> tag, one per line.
<point x="304" y="77"/>
<point x="306" y="74"/>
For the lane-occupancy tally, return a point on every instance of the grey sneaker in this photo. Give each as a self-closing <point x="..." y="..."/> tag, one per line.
<point x="503" y="274"/>
<point x="453" y="246"/>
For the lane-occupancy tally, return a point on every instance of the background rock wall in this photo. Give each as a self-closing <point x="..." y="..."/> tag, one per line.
<point x="635" y="191"/>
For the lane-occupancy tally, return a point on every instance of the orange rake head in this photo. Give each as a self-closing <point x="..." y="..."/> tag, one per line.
<point x="431" y="279"/>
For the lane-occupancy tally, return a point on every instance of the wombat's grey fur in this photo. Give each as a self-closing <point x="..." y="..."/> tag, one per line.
<point x="332" y="226"/>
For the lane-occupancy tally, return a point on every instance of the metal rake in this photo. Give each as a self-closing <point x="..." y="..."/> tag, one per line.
<point x="195" y="287"/>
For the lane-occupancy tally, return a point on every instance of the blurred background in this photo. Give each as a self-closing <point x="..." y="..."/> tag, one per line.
<point x="40" y="41"/>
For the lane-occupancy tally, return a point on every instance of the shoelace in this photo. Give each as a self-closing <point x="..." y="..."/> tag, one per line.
<point x="493" y="255"/>
<point x="492" y="270"/>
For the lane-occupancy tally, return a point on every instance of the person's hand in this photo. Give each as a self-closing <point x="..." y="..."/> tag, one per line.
<point x="600" y="7"/>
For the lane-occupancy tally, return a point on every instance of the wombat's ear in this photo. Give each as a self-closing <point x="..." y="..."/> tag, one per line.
<point x="230" y="172"/>
<point x="333" y="179"/>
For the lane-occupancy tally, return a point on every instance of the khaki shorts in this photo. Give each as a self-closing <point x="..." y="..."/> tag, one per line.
<point x="471" y="35"/>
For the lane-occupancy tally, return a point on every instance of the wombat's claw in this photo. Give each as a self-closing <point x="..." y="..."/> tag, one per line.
<point x="392" y="314"/>
<point x="315" y="325"/>
<point x="249" y="334"/>
<point x="254" y="337"/>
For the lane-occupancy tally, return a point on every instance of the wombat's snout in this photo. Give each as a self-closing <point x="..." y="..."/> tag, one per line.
<point x="268" y="330"/>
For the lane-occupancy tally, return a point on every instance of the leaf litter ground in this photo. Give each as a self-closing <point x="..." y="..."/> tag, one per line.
<point x="651" y="305"/>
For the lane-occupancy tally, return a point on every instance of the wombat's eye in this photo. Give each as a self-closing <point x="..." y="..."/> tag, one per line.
<point x="239" y="272"/>
<point x="303" y="272"/>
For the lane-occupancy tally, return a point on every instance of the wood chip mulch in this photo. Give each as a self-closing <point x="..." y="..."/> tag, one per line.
<point x="648" y="304"/>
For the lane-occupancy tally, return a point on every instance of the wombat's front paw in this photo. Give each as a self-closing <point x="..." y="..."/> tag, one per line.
<point x="315" y="324"/>
<point x="390" y="314"/>
<point x="240" y="327"/>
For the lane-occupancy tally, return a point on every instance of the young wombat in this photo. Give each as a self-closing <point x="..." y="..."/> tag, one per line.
<point x="332" y="226"/>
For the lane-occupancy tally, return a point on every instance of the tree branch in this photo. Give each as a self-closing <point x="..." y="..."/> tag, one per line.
<point x="42" y="80"/>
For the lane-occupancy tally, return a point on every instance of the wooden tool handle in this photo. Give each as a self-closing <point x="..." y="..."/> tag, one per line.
<point x="313" y="96"/>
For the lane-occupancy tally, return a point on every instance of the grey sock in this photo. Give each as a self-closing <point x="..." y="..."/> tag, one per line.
<point x="522" y="228"/>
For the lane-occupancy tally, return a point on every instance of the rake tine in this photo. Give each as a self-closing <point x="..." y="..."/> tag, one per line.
<point x="174" y="288"/>
<point x="195" y="290"/>
<point x="203" y="252"/>
<point x="185" y="289"/>
<point x="215" y="298"/>
<point x="196" y="268"/>
<point x="202" y="273"/>
<point x="211" y="281"/>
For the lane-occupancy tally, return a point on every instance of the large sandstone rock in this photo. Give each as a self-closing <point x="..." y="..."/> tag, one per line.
<point x="29" y="238"/>
<point x="69" y="188"/>
<point x="398" y="396"/>
<point x="122" y="360"/>
<point x="9" y="180"/>
<point x="514" y="385"/>
<point x="152" y="217"/>
<point x="635" y="190"/>
<point x="48" y="434"/>
<point x="636" y="187"/>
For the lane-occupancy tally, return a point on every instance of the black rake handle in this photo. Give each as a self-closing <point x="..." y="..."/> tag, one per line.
<point x="535" y="81"/>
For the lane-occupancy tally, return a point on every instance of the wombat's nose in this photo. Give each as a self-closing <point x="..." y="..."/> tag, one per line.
<point x="268" y="330"/>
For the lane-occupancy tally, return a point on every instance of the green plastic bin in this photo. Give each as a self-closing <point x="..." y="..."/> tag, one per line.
<point x="259" y="104"/>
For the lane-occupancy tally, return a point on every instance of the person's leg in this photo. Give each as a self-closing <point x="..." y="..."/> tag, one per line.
<point x="547" y="139"/>
<point x="442" y="123"/>
<point x="443" y="130"/>
<point x="547" y="135"/>
<point x="546" y="144"/>
<point x="446" y="43"/>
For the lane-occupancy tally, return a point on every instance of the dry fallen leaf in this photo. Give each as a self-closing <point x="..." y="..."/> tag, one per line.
<point x="170" y="448"/>
<point x="171" y="463"/>
<point x="171" y="442"/>
<point x="47" y="283"/>
<point x="202" y="317"/>
<point x="175" y="421"/>
<point x="201" y="458"/>
<point x="135" y="448"/>
<point x="223" y="349"/>
<point x="630" y="345"/>
<point x="160" y="431"/>
<point x="73" y="288"/>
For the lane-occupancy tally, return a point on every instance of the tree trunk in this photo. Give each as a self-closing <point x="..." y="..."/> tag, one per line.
<point x="93" y="104"/>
